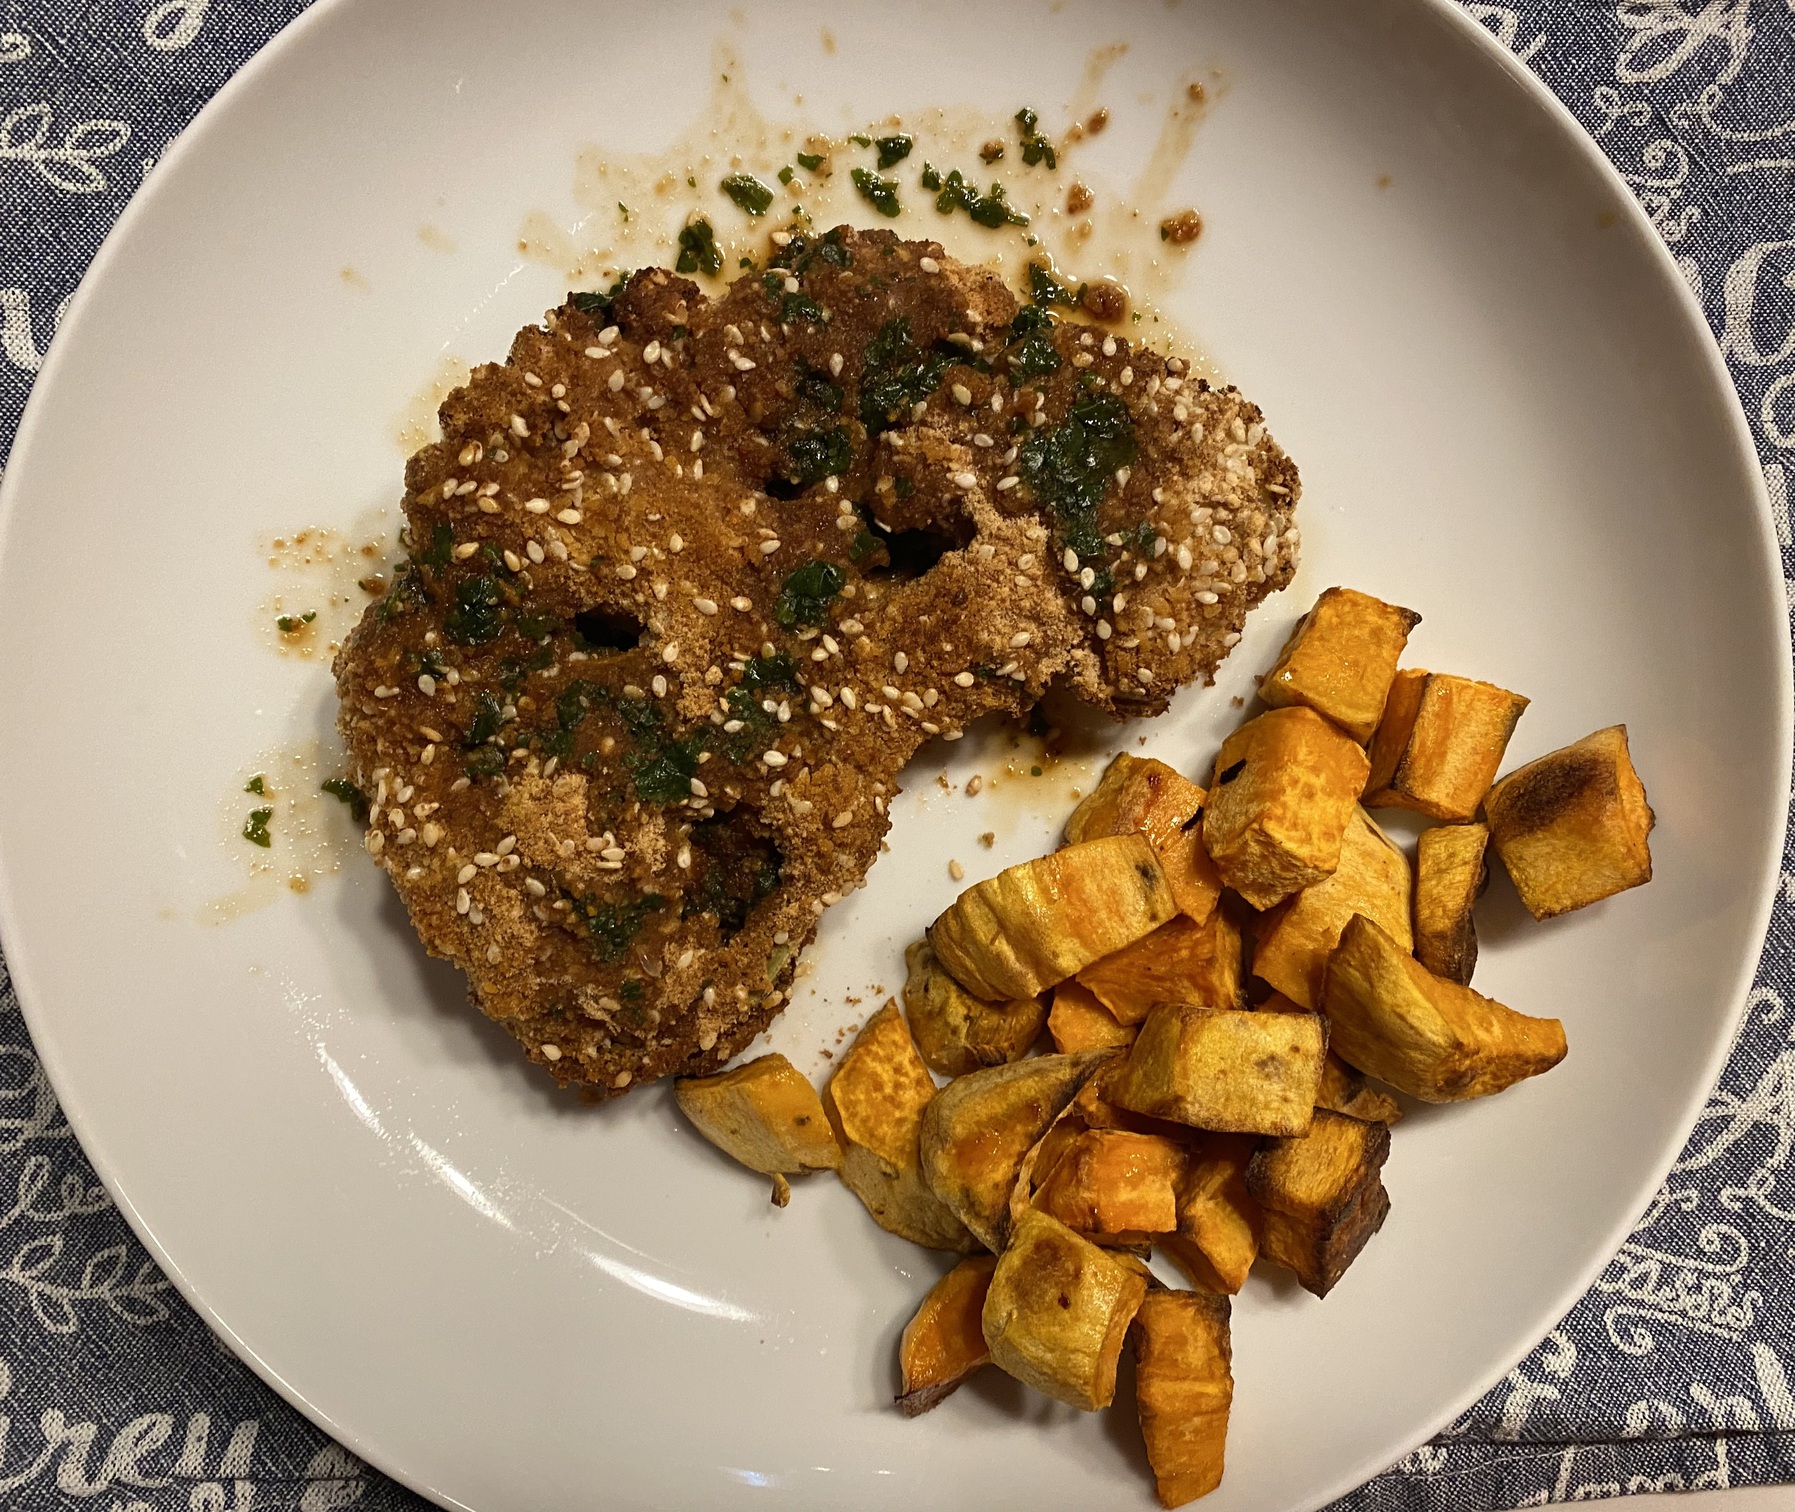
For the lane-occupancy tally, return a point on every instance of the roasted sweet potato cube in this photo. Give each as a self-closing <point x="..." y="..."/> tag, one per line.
<point x="875" y="1102"/>
<point x="1450" y="873"/>
<point x="1340" y="659"/>
<point x="1097" y="1110"/>
<point x="979" y="1128"/>
<point x="1224" y="1070"/>
<point x="1344" y="1089"/>
<point x="764" y="1114"/>
<point x="945" y="1342"/>
<point x="1322" y="1197"/>
<point x="1179" y="962"/>
<point x="1140" y="793"/>
<point x="1285" y="788"/>
<point x="1424" y="1035"/>
<point x="1571" y="827"/>
<point x="1058" y="1311"/>
<point x="1440" y="743"/>
<point x="1218" y="1221"/>
<point x="957" y="1032"/>
<point x="1111" y="1182"/>
<point x="1184" y="1387"/>
<point x="1034" y="925"/>
<point x="1080" y="1022"/>
<point x="1296" y="938"/>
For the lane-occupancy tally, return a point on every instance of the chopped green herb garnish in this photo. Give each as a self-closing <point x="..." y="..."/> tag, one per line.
<point x="866" y="544"/>
<point x="893" y="149"/>
<point x="289" y="624"/>
<point x="1034" y="771"/>
<point x="810" y="161"/>
<point x="795" y="307"/>
<point x="1031" y="352"/>
<point x="478" y="615"/>
<point x="1045" y="289"/>
<point x="256" y="785"/>
<point x="597" y="303"/>
<point x="1035" y="147"/>
<point x="880" y="193"/>
<point x="861" y="141"/>
<point x="613" y="925"/>
<point x="1070" y="466"/>
<point x="931" y="180"/>
<point x="698" y="250"/>
<point x="623" y="209"/>
<point x="990" y="210"/>
<point x="807" y="593"/>
<point x="786" y="175"/>
<point x="812" y="456"/>
<point x="898" y="374"/>
<point x="814" y="388"/>
<point x="749" y="194"/>
<point x="255" y="831"/>
<point x="665" y="776"/>
<point x="345" y="791"/>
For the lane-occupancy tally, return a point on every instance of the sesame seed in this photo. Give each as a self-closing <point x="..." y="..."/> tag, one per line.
<point x="535" y="888"/>
<point x="1184" y="558"/>
<point x="1143" y="675"/>
<point x="1005" y="484"/>
<point x="964" y="679"/>
<point x="704" y="605"/>
<point x="462" y="901"/>
<point x="769" y="547"/>
<point x="741" y="605"/>
<point x="774" y="758"/>
<point x="928" y="265"/>
<point x="956" y="871"/>
<point x="626" y="572"/>
<point x="966" y="480"/>
<point x="659" y="685"/>
<point x="466" y="874"/>
<point x="617" y="380"/>
<point x="962" y="394"/>
<point x="533" y="550"/>
<point x="1071" y="560"/>
<point x="465" y="550"/>
<point x="1206" y="597"/>
<point x="537" y="506"/>
<point x="670" y="652"/>
<point x="427" y="685"/>
<point x="569" y="516"/>
<point x="1020" y="639"/>
<point x="518" y="426"/>
<point x="594" y="351"/>
<point x="842" y="820"/>
<point x="835" y="364"/>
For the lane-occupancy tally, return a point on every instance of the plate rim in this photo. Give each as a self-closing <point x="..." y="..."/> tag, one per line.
<point x="1480" y="40"/>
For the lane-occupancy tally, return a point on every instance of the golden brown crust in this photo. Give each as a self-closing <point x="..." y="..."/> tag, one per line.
<point x="620" y="760"/>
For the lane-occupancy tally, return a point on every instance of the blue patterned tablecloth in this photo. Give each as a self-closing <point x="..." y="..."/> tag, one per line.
<point x="1676" y="1371"/>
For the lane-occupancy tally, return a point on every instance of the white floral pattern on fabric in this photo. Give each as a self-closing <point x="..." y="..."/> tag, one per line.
<point x="1675" y="1372"/>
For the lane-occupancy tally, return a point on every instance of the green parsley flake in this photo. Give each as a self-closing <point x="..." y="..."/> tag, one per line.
<point x="291" y="625"/>
<point x="257" y="786"/>
<point x="750" y="195"/>
<point x="893" y="149"/>
<point x="255" y="831"/>
<point x="880" y="193"/>
<point x="698" y="250"/>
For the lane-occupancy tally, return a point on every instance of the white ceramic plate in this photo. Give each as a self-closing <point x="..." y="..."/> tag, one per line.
<point x="1508" y="413"/>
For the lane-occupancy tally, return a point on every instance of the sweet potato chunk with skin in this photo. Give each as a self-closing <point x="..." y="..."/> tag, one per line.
<point x="1296" y="939"/>
<point x="1034" y="925"/>
<point x="957" y="1032"/>
<point x="1139" y="793"/>
<point x="1450" y="874"/>
<point x="1345" y="1090"/>
<point x="1340" y="659"/>
<point x="1218" y="1220"/>
<point x="1080" y="1022"/>
<point x="1571" y="827"/>
<point x="1111" y="1182"/>
<point x="1430" y="1038"/>
<point x="945" y="1342"/>
<point x="764" y="1114"/>
<point x="978" y="1129"/>
<point x="1179" y="962"/>
<point x="1286" y="785"/>
<point x="875" y="1103"/>
<point x="1322" y="1197"/>
<point x="1058" y="1311"/>
<point x="1440" y="744"/>
<point x="1224" y="1070"/>
<point x="1184" y="1387"/>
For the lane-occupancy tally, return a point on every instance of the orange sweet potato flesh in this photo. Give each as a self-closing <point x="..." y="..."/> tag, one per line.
<point x="1285" y="788"/>
<point x="1219" y="1222"/>
<point x="1180" y="962"/>
<point x="1184" y="1387"/>
<point x="1296" y="939"/>
<point x="1080" y="1022"/>
<point x="1440" y="744"/>
<point x="945" y="1342"/>
<point x="1112" y="1182"/>
<point x="1340" y="659"/>
<point x="1573" y="827"/>
<point x="1140" y="793"/>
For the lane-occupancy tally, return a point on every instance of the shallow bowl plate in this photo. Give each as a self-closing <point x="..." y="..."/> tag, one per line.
<point x="1509" y="416"/>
